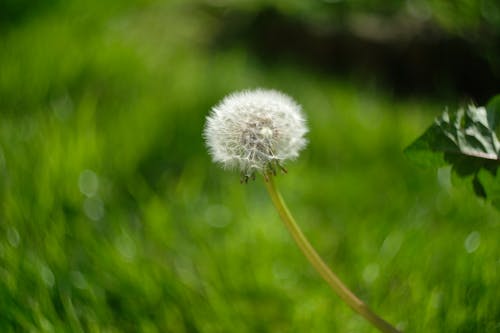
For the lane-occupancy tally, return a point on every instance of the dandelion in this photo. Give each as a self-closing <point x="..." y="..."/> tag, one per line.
<point x="255" y="131"/>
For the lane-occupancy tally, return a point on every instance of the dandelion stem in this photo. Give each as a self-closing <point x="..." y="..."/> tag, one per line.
<point x="337" y="285"/>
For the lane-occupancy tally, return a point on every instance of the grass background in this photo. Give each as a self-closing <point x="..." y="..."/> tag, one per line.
<point x="114" y="219"/>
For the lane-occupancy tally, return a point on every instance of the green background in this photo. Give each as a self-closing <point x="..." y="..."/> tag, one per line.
<point x="114" y="219"/>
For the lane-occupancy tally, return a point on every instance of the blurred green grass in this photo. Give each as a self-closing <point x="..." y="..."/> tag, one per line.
<point x="114" y="219"/>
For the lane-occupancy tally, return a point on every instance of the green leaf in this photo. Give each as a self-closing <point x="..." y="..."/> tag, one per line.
<point x="493" y="108"/>
<point x="467" y="140"/>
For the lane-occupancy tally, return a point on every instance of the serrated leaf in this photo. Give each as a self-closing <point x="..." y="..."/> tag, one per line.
<point x="493" y="108"/>
<point x="467" y="140"/>
<point x="468" y="132"/>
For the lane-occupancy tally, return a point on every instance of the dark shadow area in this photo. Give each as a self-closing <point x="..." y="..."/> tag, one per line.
<point x="13" y="12"/>
<point x="422" y="60"/>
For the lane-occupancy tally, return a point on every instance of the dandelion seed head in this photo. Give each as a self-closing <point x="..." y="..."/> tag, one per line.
<point x="254" y="130"/>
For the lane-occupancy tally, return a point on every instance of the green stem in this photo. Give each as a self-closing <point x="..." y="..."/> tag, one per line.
<point x="342" y="291"/>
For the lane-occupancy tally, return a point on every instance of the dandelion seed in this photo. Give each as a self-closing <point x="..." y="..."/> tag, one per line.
<point x="255" y="131"/>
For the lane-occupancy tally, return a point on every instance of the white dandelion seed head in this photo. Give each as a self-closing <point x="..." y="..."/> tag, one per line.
<point x="254" y="130"/>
